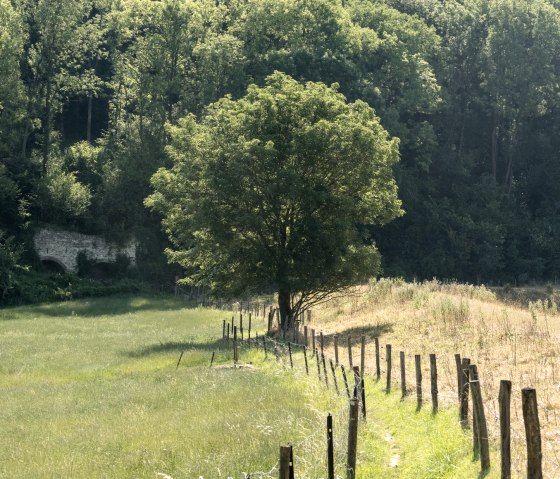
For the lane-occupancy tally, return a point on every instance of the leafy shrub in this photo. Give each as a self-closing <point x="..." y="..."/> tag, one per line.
<point x="10" y="255"/>
<point x="32" y="287"/>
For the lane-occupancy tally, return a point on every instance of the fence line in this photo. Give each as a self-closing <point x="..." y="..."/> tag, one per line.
<point x="484" y="408"/>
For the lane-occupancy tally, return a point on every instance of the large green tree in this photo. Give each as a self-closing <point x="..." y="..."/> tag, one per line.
<point x="270" y="191"/>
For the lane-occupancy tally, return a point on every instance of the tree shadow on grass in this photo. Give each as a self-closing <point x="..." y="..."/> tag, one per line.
<point x="102" y="306"/>
<point x="175" y="346"/>
<point x="355" y="334"/>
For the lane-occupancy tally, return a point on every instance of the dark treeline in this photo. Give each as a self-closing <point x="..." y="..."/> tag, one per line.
<point x="471" y="88"/>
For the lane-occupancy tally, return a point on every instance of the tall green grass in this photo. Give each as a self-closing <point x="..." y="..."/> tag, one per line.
<point x="90" y="390"/>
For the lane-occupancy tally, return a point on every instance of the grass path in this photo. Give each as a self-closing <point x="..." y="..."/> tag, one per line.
<point x="90" y="390"/>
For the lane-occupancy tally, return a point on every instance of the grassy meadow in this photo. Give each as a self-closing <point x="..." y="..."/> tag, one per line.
<point x="90" y="389"/>
<point x="505" y="339"/>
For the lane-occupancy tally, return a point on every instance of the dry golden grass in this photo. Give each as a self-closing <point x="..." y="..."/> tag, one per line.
<point x="506" y="341"/>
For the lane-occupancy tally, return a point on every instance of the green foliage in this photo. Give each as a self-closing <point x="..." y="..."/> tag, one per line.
<point x="62" y="196"/>
<point x="469" y="88"/>
<point x="269" y="190"/>
<point x="31" y="287"/>
<point x="10" y="256"/>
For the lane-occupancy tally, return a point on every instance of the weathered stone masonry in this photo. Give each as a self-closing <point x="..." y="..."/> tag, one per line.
<point x="62" y="247"/>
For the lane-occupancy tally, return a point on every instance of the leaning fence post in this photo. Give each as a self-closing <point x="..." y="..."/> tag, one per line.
<point x="305" y="357"/>
<point x="433" y="376"/>
<point x="330" y="448"/>
<point x="318" y="365"/>
<point x="464" y="410"/>
<point x="325" y="369"/>
<point x="377" y="361"/>
<point x="334" y="377"/>
<point x="352" y="439"/>
<point x="286" y="463"/>
<point x="505" y="427"/>
<point x="532" y="433"/>
<point x="403" y="376"/>
<point x="345" y="380"/>
<point x="264" y="347"/>
<point x="388" y="349"/>
<point x="481" y="425"/>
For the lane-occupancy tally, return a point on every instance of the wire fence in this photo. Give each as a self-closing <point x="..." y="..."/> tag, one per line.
<point x="325" y="357"/>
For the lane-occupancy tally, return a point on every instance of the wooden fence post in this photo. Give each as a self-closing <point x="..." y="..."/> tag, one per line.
<point x="389" y="364"/>
<point x="352" y="439"/>
<point x="473" y="374"/>
<point x="459" y="376"/>
<point x="504" y="400"/>
<point x="403" y="376"/>
<point x="359" y="389"/>
<point x="417" y="361"/>
<point x="305" y="357"/>
<point x="212" y="360"/>
<point x="481" y="425"/>
<point x="249" y="327"/>
<point x="350" y="362"/>
<point x="286" y="463"/>
<point x="377" y="360"/>
<point x="227" y="337"/>
<point x="322" y="340"/>
<point x="224" y="330"/>
<point x="290" y="352"/>
<point x="464" y="410"/>
<point x="325" y="369"/>
<point x="433" y="376"/>
<point x="532" y="433"/>
<point x="363" y="357"/>
<point x="264" y="347"/>
<point x="235" y="344"/>
<point x="318" y="365"/>
<point x="305" y="341"/>
<point x="334" y="377"/>
<point x="345" y="380"/>
<point x="313" y="346"/>
<point x="330" y="447"/>
<point x="336" y="349"/>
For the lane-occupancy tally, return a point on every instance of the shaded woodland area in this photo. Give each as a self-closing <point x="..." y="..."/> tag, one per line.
<point x="471" y="89"/>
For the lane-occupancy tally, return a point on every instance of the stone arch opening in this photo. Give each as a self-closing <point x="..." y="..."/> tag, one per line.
<point x="50" y="264"/>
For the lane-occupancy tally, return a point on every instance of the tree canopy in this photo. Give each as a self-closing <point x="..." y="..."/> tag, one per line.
<point x="470" y="88"/>
<point x="270" y="192"/>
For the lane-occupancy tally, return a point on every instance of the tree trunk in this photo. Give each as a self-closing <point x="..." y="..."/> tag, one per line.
<point x="285" y="306"/>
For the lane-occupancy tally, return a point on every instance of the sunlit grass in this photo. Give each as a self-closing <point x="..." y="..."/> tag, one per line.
<point x="90" y="389"/>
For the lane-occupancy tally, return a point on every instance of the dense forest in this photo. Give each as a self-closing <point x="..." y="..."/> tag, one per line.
<point x="471" y="88"/>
